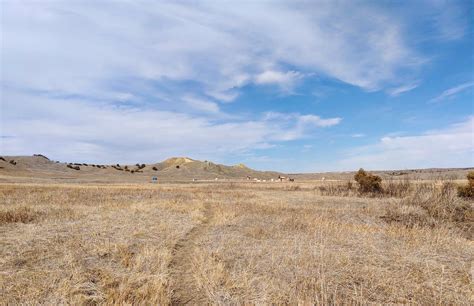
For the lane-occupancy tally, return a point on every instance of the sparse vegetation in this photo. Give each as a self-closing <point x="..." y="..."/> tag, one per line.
<point x="1" y="158"/>
<point x="233" y="243"/>
<point x="154" y="169"/>
<point x="433" y="206"/>
<point x="13" y="162"/>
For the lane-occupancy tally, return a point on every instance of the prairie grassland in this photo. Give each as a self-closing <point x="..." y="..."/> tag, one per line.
<point x="235" y="243"/>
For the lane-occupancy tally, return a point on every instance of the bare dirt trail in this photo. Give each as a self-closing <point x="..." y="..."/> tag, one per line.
<point x="183" y="283"/>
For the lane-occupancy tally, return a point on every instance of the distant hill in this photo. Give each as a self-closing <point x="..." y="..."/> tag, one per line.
<point x="176" y="168"/>
<point x="40" y="167"/>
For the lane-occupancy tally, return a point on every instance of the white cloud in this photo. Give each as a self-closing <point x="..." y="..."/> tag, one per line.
<point x="286" y="80"/>
<point x="452" y="146"/>
<point x="318" y="121"/>
<point x="300" y="124"/>
<point x="202" y="105"/>
<point x="451" y="92"/>
<point x="76" y="130"/>
<point x="358" y="135"/>
<point x="70" y="47"/>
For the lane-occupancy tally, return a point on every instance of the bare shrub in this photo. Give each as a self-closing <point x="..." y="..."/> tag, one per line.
<point x="368" y="183"/>
<point x="1" y="158"/>
<point x="73" y="167"/>
<point x="467" y="191"/>
<point x="155" y="169"/>
<point x="13" y="162"/>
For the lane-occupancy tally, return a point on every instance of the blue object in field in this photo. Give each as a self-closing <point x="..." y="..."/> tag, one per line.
<point x="154" y="179"/>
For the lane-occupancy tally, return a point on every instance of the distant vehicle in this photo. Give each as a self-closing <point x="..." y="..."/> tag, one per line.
<point x="154" y="179"/>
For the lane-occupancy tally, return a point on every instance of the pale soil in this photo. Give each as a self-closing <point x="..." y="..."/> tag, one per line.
<point x="220" y="244"/>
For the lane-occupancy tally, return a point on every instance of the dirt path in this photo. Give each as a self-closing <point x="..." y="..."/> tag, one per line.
<point x="185" y="289"/>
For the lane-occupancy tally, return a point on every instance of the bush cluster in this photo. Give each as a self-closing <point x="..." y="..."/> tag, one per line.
<point x="73" y="167"/>
<point x="467" y="191"/>
<point x="368" y="183"/>
<point x="41" y="155"/>
<point x="140" y="166"/>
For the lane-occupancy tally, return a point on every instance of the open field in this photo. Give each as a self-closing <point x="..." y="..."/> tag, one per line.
<point x="233" y="243"/>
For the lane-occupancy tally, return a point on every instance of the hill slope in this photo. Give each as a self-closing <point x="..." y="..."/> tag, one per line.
<point x="177" y="168"/>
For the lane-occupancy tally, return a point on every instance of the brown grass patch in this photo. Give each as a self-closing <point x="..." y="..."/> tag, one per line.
<point x="433" y="205"/>
<point x="239" y="243"/>
<point x="18" y="215"/>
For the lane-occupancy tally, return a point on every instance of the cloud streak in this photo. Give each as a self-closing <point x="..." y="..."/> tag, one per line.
<point x="452" y="92"/>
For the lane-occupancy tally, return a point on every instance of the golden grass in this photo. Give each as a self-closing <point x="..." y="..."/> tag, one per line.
<point x="230" y="244"/>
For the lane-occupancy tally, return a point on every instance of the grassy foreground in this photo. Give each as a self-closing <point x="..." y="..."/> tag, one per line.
<point x="233" y="243"/>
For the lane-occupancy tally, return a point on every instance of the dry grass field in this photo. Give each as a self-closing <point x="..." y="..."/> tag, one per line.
<point x="233" y="243"/>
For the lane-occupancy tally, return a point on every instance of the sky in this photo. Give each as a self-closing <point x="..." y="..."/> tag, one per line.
<point x="293" y="86"/>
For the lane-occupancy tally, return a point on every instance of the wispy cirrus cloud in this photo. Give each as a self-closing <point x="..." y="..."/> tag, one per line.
<point x="81" y="48"/>
<point x="452" y="92"/>
<point x="402" y="89"/>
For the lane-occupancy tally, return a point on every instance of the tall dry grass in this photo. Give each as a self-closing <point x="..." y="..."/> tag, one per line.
<point x="267" y="243"/>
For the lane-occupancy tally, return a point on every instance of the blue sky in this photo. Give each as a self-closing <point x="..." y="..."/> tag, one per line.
<point x="294" y="86"/>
